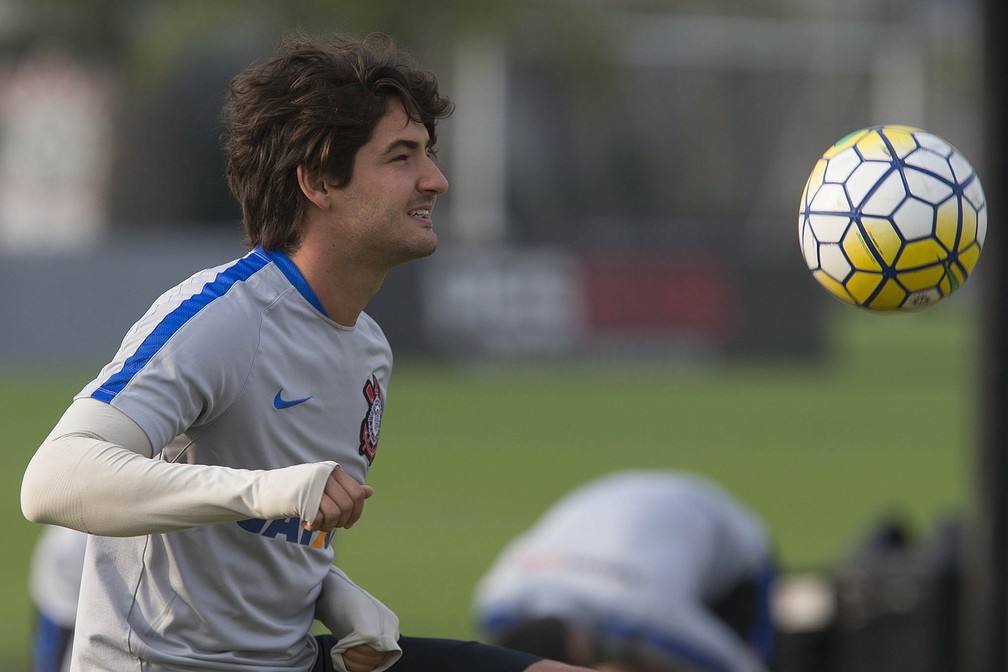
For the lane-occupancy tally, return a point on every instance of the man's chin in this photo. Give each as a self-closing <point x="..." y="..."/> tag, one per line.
<point x="418" y="250"/>
<point x="428" y="247"/>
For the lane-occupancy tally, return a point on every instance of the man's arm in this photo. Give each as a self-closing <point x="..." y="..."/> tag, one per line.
<point x="94" y="473"/>
<point x="366" y="630"/>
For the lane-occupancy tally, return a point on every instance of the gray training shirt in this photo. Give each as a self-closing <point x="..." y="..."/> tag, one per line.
<point x="241" y="364"/>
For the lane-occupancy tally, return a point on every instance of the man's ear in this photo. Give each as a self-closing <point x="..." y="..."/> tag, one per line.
<point x="314" y="187"/>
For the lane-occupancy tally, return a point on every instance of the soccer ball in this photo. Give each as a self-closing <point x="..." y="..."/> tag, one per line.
<point x="892" y="218"/>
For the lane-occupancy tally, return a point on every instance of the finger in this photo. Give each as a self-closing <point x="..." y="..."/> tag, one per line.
<point x="358" y="509"/>
<point x="348" y="482"/>
<point x="355" y="511"/>
<point x="317" y="524"/>
<point x="337" y="507"/>
<point x="331" y="510"/>
<point x="356" y="492"/>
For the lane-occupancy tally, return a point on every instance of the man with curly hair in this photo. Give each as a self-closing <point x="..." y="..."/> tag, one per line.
<point x="212" y="459"/>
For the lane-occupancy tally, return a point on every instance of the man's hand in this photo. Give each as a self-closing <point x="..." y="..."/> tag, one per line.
<point x="362" y="658"/>
<point x="342" y="503"/>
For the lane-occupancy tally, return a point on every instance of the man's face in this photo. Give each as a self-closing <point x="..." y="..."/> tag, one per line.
<point x="387" y="206"/>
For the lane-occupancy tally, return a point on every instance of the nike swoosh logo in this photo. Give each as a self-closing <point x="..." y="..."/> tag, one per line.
<point x="280" y="403"/>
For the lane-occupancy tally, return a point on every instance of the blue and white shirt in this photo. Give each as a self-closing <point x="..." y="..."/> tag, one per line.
<point x="238" y="366"/>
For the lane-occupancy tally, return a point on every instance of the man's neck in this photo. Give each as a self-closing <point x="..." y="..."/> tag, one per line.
<point x="342" y="287"/>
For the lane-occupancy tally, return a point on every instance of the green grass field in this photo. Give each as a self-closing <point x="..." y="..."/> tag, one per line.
<point x="470" y="455"/>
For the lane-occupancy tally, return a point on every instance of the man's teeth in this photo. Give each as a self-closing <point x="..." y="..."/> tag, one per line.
<point x="419" y="213"/>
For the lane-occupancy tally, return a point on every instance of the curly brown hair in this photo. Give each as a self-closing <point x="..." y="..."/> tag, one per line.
<point x="313" y="104"/>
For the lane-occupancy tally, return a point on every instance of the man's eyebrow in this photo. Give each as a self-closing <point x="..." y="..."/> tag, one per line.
<point x="401" y="144"/>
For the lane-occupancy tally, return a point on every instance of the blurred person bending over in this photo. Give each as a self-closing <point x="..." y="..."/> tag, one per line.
<point x="212" y="459"/>
<point x="637" y="571"/>
<point x="54" y="583"/>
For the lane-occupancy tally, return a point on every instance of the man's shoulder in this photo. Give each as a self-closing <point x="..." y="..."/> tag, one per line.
<point x="214" y="305"/>
<point x="245" y="285"/>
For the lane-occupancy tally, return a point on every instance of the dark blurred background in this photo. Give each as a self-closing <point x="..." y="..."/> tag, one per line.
<point x="625" y="173"/>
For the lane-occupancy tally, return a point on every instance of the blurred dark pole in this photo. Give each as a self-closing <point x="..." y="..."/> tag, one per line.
<point x="985" y="637"/>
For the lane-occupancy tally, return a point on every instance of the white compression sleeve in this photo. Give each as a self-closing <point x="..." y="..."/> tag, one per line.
<point x="94" y="473"/>
<point x="355" y="617"/>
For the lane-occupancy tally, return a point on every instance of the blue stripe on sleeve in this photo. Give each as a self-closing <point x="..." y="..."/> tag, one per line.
<point x="240" y="271"/>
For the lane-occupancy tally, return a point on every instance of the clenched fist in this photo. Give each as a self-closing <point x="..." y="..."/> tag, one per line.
<point x="342" y="503"/>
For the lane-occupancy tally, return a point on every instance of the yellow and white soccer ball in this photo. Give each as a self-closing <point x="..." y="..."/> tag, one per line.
<point x="892" y="218"/>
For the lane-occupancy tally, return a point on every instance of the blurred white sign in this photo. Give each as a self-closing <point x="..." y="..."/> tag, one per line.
<point x="55" y="151"/>
<point x="502" y="302"/>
